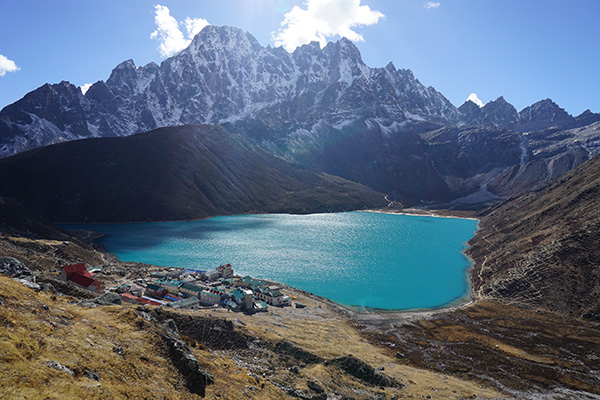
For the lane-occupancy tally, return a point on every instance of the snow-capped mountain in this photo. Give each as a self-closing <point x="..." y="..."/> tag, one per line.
<point x="323" y="108"/>
<point x="225" y="76"/>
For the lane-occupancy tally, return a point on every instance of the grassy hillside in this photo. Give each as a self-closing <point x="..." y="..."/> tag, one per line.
<point x="176" y="173"/>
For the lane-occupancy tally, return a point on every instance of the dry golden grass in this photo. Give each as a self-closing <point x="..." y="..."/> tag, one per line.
<point x="81" y="339"/>
<point x="330" y="335"/>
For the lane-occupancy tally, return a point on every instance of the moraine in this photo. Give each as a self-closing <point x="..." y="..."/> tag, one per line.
<point x="360" y="259"/>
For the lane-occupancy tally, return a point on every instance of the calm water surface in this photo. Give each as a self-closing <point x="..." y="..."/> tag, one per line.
<point x="359" y="258"/>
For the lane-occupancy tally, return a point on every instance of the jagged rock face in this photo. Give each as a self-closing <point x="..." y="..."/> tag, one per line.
<point x="50" y="114"/>
<point x="544" y="114"/>
<point x="470" y="112"/>
<point x="586" y="118"/>
<point x="14" y="268"/>
<point x="225" y="76"/>
<point x="549" y="154"/>
<point x="497" y="113"/>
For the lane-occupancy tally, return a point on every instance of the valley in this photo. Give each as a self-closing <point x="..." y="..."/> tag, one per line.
<point x="225" y="126"/>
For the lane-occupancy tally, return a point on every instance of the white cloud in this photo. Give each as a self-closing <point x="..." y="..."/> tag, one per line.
<point x="322" y="19"/>
<point x="169" y="35"/>
<point x="7" y="65"/>
<point x="432" y="4"/>
<point x="473" y="97"/>
<point x="194" y="26"/>
<point x="84" y="88"/>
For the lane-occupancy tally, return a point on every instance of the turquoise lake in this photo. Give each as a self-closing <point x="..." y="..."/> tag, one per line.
<point x="361" y="259"/>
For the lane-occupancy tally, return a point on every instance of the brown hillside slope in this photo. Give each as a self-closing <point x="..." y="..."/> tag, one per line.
<point x="175" y="173"/>
<point x="543" y="248"/>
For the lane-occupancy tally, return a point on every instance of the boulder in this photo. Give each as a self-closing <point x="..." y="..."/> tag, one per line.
<point x="108" y="299"/>
<point x="30" y="284"/>
<point x="15" y="269"/>
<point x="59" y="367"/>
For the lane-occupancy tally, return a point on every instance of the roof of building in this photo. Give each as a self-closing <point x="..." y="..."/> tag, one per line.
<point x="157" y="302"/>
<point x="192" y="287"/>
<point x="76" y="268"/>
<point x="266" y="291"/>
<point x="211" y="293"/>
<point x="129" y="296"/>
<point x="261" y="306"/>
<point x="189" y="301"/>
<point x="81" y="279"/>
<point x="168" y="281"/>
<point x="193" y="271"/>
<point x="154" y="287"/>
<point x="238" y="293"/>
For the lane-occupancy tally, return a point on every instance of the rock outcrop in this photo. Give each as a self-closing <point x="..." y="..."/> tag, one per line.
<point x="14" y="268"/>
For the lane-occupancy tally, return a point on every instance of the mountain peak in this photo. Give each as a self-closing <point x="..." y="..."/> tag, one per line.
<point x="310" y="48"/>
<point x="226" y="76"/>
<point x="587" y="117"/>
<point x="345" y="47"/>
<point x="545" y="114"/>
<point x="473" y="98"/>
<point x="127" y="64"/>
<point x="228" y="37"/>
<point x="498" y="113"/>
<point x="123" y="74"/>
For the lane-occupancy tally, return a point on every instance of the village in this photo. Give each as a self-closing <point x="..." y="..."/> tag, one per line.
<point x="187" y="288"/>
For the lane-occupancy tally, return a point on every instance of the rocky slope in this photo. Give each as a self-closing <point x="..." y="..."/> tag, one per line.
<point x="54" y="345"/>
<point x="542" y="248"/>
<point x="177" y="173"/>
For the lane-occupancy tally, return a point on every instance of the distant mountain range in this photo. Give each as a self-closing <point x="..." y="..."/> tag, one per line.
<point x="324" y="109"/>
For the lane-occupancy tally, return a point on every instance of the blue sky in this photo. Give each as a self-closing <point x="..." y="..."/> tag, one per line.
<point x="523" y="50"/>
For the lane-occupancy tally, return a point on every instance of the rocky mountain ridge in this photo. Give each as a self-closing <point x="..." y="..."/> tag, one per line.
<point x="223" y="76"/>
<point x="324" y="109"/>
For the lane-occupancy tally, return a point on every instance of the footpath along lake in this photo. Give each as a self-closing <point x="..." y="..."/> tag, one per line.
<point x="374" y="260"/>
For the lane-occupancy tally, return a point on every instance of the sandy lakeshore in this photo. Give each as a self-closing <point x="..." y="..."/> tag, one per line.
<point x="462" y="214"/>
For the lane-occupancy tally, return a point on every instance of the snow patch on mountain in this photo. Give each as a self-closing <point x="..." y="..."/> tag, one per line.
<point x="473" y="97"/>
<point x="226" y="76"/>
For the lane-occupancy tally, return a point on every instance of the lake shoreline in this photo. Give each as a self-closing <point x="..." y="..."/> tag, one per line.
<point x="419" y="212"/>
<point x="347" y="303"/>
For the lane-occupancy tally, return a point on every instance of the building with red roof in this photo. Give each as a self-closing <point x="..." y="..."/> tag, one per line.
<point x="79" y="275"/>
